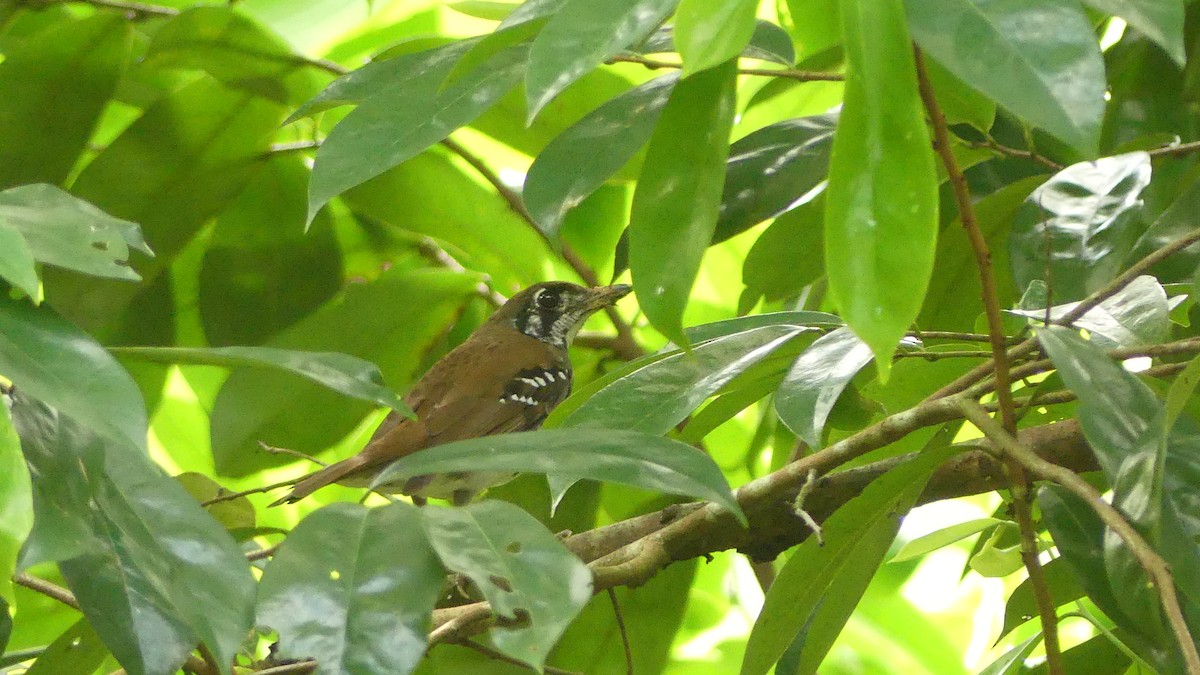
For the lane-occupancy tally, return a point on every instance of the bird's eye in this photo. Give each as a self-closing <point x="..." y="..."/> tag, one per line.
<point x="547" y="300"/>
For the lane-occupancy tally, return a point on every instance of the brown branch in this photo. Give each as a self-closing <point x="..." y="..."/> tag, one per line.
<point x="494" y="654"/>
<point x="1176" y="149"/>
<point x="612" y="598"/>
<point x="788" y="73"/>
<point x="956" y="335"/>
<point x="229" y="496"/>
<point x="1156" y="568"/>
<point x="47" y="589"/>
<point x="297" y="668"/>
<point x="991" y="144"/>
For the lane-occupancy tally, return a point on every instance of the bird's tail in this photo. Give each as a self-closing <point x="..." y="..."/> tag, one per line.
<point x="319" y="479"/>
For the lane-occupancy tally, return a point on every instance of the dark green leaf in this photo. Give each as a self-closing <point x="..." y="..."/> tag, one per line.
<point x="17" y="264"/>
<point x="772" y="168"/>
<point x="153" y="572"/>
<point x="78" y="651"/>
<point x="342" y="373"/>
<point x="786" y="256"/>
<point x="353" y="588"/>
<point x="716" y="329"/>
<point x="16" y="507"/>
<point x="581" y="36"/>
<point x="405" y="111"/>
<point x="1052" y="79"/>
<point x="389" y="321"/>
<point x="524" y="571"/>
<point x="1086" y="218"/>
<point x="881" y="204"/>
<point x="1159" y="20"/>
<point x="47" y="358"/>
<point x="1013" y="661"/>
<point x="1182" y="388"/>
<point x="576" y="163"/>
<point x="1137" y="315"/>
<point x="1098" y="656"/>
<point x="676" y="205"/>
<point x="857" y="535"/>
<point x="52" y="91"/>
<point x="816" y="380"/>
<point x="618" y="456"/>
<point x="1022" y="604"/>
<point x="707" y="34"/>
<point x="655" y="398"/>
<point x="1176" y="222"/>
<point x="67" y="232"/>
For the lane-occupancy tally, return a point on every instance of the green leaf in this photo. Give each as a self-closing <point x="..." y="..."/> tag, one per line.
<point x="960" y="102"/>
<point x="655" y="398"/>
<point x="816" y="25"/>
<point x="881" y="204"/>
<point x="406" y="109"/>
<point x="816" y="380"/>
<point x="484" y="9"/>
<point x="618" y="456"/>
<point x="46" y="357"/>
<point x="16" y="505"/>
<point x="524" y="571"/>
<point x="1137" y="315"/>
<point x="993" y="559"/>
<point x="1052" y="79"/>
<point x="1013" y="661"/>
<point x="17" y="264"/>
<point x="708" y="34"/>
<point x="1182" y="388"/>
<point x="801" y="319"/>
<point x="152" y="571"/>
<point x="353" y="588"/>
<point x="53" y="89"/>
<point x="772" y="168"/>
<point x="676" y="205"/>
<point x="577" y="162"/>
<point x="942" y="538"/>
<point x="781" y="262"/>
<point x="342" y="373"/>
<point x="235" y="515"/>
<point x="769" y="42"/>
<point x="70" y="233"/>
<point x="1022" y="603"/>
<point x="1087" y="215"/>
<point x="1159" y="20"/>
<point x="78" y="651"/>
<point x="394" y="318"/>
<point x="857" y="535"/>
<point x="582" y="35"/>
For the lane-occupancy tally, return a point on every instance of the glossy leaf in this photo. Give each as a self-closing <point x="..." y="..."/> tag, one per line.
<point x="152" y="571"/>
<point x="1173" y="224"/>
<point x="353" y="588"/>
<point x="816" y="380"/>
<point x="67" y="232"/>
<point x="881" y="204"/>
<point x="1013" y="661"/>
<point x="1138" y="314"/>
<point x="1087" y="216"/>
<point x="78" y="651"/>
<point x="708" y="34"/>
<point x="657" y="397"/>
<point x="1182" y="389"/>
<point x="44" y="356"/>
<point x="1052" y="79"/>
<point x="816" y="25"/>
<point x="800" y="319"/>
<point x="771" y="169"/>
<point x="342" y="373"/>
<point x="676" y="205"/>
<point x="942" y="538"/>
<point x="768" y="42"/>
<point x="581" y="36"/>
<point x="858" y="534"/>
<point x="17" y="264"/>
<point x="577" y="162"/>
<point x="392" y="319"/>
<point x="406" y="109"/>
<point x="16" y="505"/>
<point x="524" y="571"/>
<point x="52" y="91"/>
<point x="1159" y="20"/>
<point x="618" y="456"/>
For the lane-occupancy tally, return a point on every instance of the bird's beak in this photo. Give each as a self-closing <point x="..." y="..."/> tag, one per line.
<point x="603" y="296"/>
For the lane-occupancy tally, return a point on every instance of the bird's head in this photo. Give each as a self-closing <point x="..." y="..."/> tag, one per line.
<point x="554" y="311"/>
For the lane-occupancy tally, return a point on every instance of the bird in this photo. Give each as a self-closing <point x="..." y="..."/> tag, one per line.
<point x="506" y="376"/>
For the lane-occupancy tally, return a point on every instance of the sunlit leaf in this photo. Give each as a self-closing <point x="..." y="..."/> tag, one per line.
<point x="1136" y="315"/>
<point x="16" y="504"/>
<point x="816" y="380"/>
<point x="708" y="34"/>
<point x="942" y="538"/>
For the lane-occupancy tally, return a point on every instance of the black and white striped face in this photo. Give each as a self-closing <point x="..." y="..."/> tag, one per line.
<point x="555" y="313"/>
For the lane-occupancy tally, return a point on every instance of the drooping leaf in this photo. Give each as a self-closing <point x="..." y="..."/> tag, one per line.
<point x="676" y="205"/>
<point x="857" y="535"/>
<point x="618" y="456"/>
<point x="16" y="505"/>
<point x="707" y="34"/>
<point x="881" y="204"/>
<point x="1052" y="79"/>
<point x="342" y="373"/>
<point x="46" y="357"/>
<point x="578" y="161"/>
<point x="52" y="91"/>
<point x="524" y="571"/>
<point x="1085" y="217"/>
<point x="816" y="380"/>
<point x="353" y="588"/>
<point x="581" y="36"/>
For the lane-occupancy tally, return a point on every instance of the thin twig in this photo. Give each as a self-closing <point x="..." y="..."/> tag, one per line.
<point x="297" y="668"/>
<point x="612" y="597"/>
<point x="937" y="356"/>
<point x="991" y="144"/>
<point x="1176" y="149"/>
<point x="1156" y="568"/>
<point x="499" y="656"/>
<point x="956" y="335"/>
<point x="262" y="553"/>
<point x="789" y="73"/>
<point x="229" y="496"/>
<point x="1022" y="501"/>
<point x="47" y="589"/>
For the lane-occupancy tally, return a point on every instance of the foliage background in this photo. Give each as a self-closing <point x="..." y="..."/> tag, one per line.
<point x="172" y="116"/>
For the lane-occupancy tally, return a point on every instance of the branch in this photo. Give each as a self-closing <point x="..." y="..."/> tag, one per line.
<point x="1156" y="568"/>
<point x="47" y="589"/>
<point x="1176" y="149"/>
<point x="991" y="144"/>
<point x="788" y="73"/>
